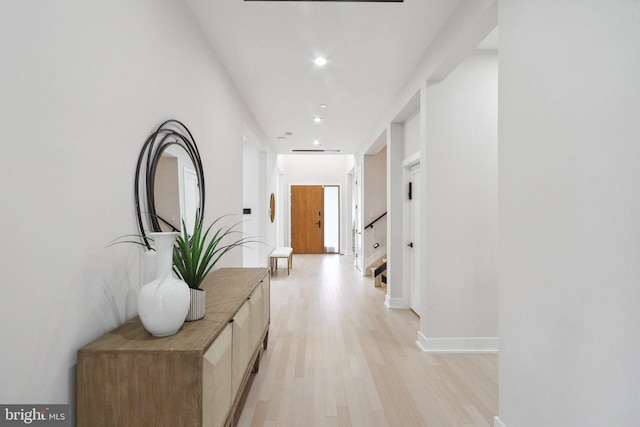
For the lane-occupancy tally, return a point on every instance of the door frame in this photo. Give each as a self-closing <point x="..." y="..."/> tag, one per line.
<point x="357" y="202"/>
<point x="340" y="208"/>
<point x="411" y="165"/>
<point x="310" y="235"/>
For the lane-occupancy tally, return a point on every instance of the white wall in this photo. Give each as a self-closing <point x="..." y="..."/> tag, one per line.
<point x="252" y="177"/>
<point x="374" y="204"/>
<point x="469" y="22"/>
<point x="83" y="85"/>
<point x="569" y="213"/>
<point x="302" y="169"/>
<point x="412" y="135"/>
<point x="411" y="158"/>
<point x="459" y="296"/>
<point x="260" y="180"/>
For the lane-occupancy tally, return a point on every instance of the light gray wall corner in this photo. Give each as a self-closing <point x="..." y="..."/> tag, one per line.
<point x="395" y="194"/>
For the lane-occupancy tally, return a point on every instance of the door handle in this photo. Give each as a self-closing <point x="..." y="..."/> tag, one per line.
<point x="319" y="224"/>
<point x="410" y="245"/>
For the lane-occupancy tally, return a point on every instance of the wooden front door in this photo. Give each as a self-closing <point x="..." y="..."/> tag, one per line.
<point x="307" y="219"/>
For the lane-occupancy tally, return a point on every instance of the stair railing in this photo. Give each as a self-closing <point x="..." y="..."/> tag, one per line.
<point x="374" y="221"/>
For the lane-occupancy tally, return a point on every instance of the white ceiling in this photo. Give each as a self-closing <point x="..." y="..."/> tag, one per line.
<point x="268" y="48"/>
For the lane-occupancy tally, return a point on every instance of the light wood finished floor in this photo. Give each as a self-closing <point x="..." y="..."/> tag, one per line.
<point x="338" y="357"/>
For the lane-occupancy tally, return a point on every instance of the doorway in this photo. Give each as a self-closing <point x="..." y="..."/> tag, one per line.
<point x="254" y="200"/>
<point x="357" y="220"/>
<point x="413" y="247"/>
<point x="315" y="219"/>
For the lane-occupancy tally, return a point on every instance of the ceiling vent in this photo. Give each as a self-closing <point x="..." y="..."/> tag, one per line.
<point x="313" y="151"/>
<point x="350" y="1"/>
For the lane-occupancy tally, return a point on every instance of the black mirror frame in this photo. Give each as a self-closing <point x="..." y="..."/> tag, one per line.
<point x="171" y="132"/>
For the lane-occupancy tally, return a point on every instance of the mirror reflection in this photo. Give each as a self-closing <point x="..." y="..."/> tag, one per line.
<point x="176" y="193"/>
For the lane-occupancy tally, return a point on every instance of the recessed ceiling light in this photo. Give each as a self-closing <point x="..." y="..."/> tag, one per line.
<point x="320" y="61"/>
<point x="323" y="105"/>
<point x="317" y="119"/>
<point x="316" y="142"/>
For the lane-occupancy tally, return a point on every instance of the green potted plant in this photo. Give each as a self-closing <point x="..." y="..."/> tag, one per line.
<point x="195" y="256"/>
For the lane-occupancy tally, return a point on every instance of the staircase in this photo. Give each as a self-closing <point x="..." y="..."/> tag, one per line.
<point x="379" y="272"/>
<point x="378" y="268"/>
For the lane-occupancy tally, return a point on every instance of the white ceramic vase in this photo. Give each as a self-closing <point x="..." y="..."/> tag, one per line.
<point x="163" y="303"/>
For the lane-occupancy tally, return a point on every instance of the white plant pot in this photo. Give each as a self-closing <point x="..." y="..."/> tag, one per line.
<point x="197" y="307"/>
<point x="163" y="303"/>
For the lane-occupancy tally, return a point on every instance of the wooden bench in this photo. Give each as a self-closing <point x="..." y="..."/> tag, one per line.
<point x="283" y="252"/>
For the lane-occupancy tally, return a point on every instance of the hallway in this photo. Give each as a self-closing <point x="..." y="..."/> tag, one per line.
<point x="338" y="357"/>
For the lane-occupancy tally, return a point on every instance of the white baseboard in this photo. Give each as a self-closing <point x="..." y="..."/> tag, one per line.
<point x="422" y="341"/>
<point x="457" y="345"/>
<point x="394" y="303"/>
<point x="498" y="423"/>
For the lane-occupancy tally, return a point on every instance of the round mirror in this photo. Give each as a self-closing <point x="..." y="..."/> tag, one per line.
<point x="169" y="184"/>
<point x="272" y="207"/>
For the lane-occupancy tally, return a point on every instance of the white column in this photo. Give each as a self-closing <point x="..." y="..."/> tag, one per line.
<point x="569" y="213"/>
<point x="395" y="235"/>
<point x="422" y="187"/>
<point x="459" y="246"/>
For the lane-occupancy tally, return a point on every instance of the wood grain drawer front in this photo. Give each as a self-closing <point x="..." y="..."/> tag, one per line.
<point x="266" y="301"/>
<point x="256" y="306"/>
<point x="216" y="380"/>
<point x="138" y="390"/>
<point x="241" y="348"/>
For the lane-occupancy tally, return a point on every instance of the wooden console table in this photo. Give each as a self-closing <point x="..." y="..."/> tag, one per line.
<point x="193" y="378"/>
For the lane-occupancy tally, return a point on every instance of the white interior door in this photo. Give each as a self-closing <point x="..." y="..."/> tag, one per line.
<point x="414" y="294"/>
